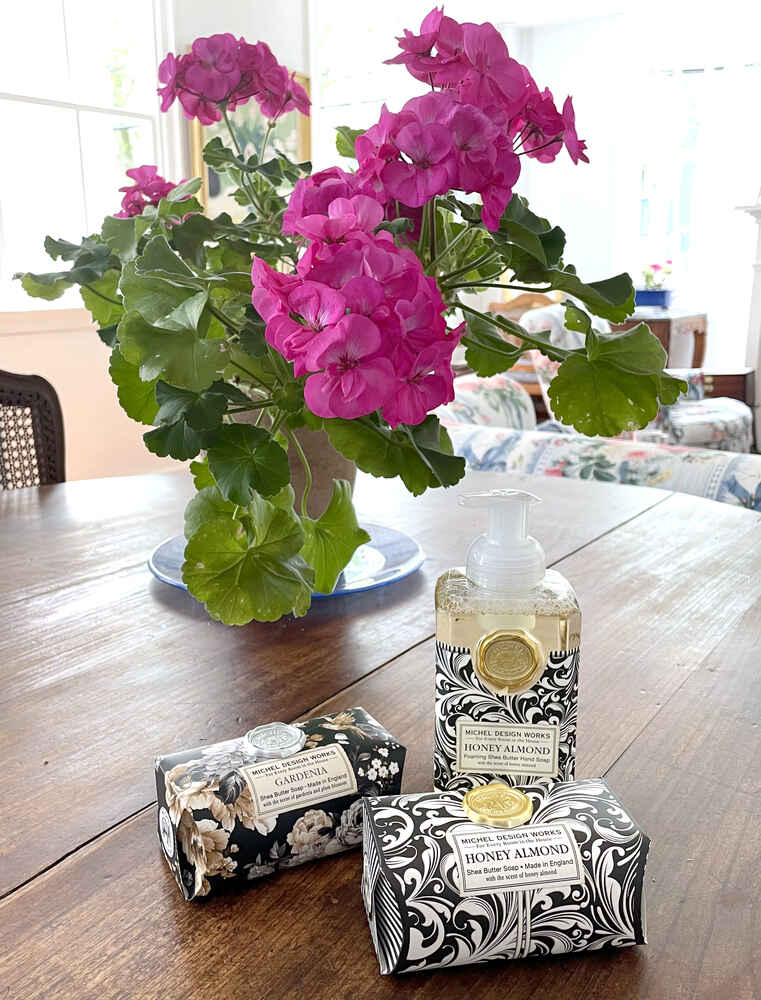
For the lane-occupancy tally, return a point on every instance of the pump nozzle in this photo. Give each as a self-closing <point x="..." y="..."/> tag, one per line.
<point x="506" y="558"/>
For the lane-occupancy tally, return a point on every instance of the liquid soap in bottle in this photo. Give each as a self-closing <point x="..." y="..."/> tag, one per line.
<point x="507" y="658"/>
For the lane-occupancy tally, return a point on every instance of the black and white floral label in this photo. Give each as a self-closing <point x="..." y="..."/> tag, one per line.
<point x="507" y="749"/>
<point x="278" y="786"/>
<point x="528" y="857"/>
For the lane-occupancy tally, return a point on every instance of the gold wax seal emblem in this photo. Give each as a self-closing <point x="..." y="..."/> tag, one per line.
<point x="497" y="804"/>
<point x="509" y="660"/>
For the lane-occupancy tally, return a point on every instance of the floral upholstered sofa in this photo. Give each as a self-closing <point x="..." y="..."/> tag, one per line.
<point x="493" y="426"/>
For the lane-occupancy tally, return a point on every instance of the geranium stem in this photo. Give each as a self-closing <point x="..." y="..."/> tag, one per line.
<point x="470" y="266"/>
<point x="267" y="134"/>
<point x="515" y="330"/>
<point x="432" y="210"/>
<point x="245" y="183"/>
<point x="106" y="298"/>
<point x="307" y="471"/>
<point x="447" y="250"/>
<point x="254" y="378"/>
<point x="495" y="284"/>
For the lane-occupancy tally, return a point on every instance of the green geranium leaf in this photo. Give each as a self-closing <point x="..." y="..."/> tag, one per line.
<point x="92" y="258"/>
<point x="44" y="286"/>
<point x="176" y="440"/>
<point x="201" y="475"/>
<point x="432" y="443"/>
<point x="669" y="388"/>
<point x="64" y="249"/>
<point x="345" y="140"/>
<point x="178" y="210"/>
<point x="387" y="453"/>
<point x="333" y="539"/>
<point x="243" y="460"/>
<point x="207" y="505"/>
<point x="184" y="190"/>
<point x="485" y="350"/>
<point x="240" y="576"/>
<point x="179" y="357"/>
<point x="637" y="350"/>
<point x="102" y="299"/>
<point x="596" y="397"/>
<point x="108" y="335"/>
<point x="514" y="234"/>
<point x="396" y="226"/>
<point x="158" y="257"/>
<point x="553" y="242"/>
<point x="576" y="319"/>
<point x="187" y="315"/>
<point x="123" y="235"/>
<point x="137" y="398"/>
<point x="252" y="339"/>
<point x="221" y="158"/>
<point x="151" y="295"/>
<point x="202" y="411"/>
<point x="189" y="236"/>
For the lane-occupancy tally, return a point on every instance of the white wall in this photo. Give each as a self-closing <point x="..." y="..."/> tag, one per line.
<point x="63" y="347"/>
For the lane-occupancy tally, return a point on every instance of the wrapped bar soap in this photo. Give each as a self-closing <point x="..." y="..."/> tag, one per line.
<point x="501" y="873"/>
<point x="275" y="798"/>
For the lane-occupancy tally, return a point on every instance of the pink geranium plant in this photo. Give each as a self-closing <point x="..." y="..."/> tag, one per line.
<point x="335" y="303"/>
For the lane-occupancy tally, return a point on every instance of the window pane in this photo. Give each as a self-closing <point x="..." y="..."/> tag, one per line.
<point x="110" y="145"/>
<point x="33" y="49"/>
<point x="39" y="195"/>
<point x="112" y="53"/>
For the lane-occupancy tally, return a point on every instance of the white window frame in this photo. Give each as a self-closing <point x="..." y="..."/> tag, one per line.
<point x="172" y="153"/>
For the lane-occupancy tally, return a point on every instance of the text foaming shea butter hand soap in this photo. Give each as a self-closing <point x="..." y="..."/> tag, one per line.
<point x="507" y="658"/>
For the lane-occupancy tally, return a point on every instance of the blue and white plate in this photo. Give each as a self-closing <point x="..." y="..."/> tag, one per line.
<point x="390" y="555"/>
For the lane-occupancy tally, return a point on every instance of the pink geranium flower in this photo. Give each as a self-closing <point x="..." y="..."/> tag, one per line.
<point x="428" y="172"/>
<point x="355" y="381"/>
<point x="214" y="70"/>
<point x="416" y="49"/>
<point x="223" y="72"/>
<point x="149" y="188"/>
<point x="314" y="195"/>
<point x="422" y="384"/>
<point x="573" y="144"/>
<point x="345" y="216"/>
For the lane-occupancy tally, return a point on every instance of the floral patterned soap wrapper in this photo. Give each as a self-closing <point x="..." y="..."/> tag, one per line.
<point x="224" y="813"/>
<point x="441" y="890"/>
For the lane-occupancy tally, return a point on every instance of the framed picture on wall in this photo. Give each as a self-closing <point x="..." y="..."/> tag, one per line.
<point x="291" y="135"/>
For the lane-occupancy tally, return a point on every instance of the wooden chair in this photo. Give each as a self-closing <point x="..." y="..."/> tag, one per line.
<point x="31" y="432"/>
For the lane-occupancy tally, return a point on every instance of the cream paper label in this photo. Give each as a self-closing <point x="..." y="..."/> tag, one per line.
<point x="303" y="779"/>
<point x="503" y="748"/>
<point x="528" y="857"/>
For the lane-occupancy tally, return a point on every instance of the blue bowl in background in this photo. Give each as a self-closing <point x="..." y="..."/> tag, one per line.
<point x="652" y="297"/>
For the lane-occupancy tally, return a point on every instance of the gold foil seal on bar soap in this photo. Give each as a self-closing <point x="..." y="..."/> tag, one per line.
<point x="497" y="805"/>
<point x="509" y="660"/>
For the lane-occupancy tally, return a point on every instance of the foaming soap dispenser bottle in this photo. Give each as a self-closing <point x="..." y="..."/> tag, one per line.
<point x="507" y="658"/>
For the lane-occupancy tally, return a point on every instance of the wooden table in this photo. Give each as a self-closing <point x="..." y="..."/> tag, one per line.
<point x="103" y="667"/>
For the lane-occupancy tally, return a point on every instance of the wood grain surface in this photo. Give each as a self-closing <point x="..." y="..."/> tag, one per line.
<point x="670" y="703"/>
<point x="103" y="667"/>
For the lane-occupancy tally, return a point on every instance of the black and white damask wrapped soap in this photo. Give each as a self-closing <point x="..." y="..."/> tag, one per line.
<point x="275" y="798"/>
<point x="443" y="885"/>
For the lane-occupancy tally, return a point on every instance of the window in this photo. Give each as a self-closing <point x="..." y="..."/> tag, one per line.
<point x="78" y="107"/>
<point x="701" y="161"/>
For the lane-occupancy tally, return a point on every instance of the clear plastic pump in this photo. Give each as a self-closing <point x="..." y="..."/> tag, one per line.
<point x="506" y="559"/>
